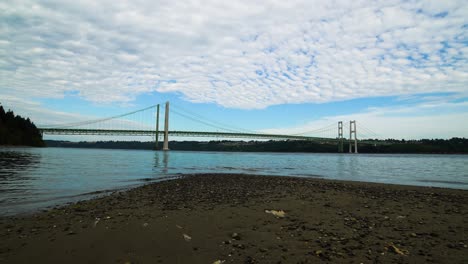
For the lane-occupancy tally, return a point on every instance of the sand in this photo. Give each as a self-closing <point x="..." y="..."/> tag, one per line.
<point x="231" y="218"/>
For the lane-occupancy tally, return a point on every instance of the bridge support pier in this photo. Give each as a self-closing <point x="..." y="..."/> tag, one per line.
<point x="352" y="130"/>
<point x="166" y="128"/>
<point x="340" y="136"/>
<point x="157" y="128"/>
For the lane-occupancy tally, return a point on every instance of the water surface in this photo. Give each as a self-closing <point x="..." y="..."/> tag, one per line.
<point x="34" y="178"/>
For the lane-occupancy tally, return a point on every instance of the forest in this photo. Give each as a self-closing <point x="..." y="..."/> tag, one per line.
<point x="424" y="146"/>
<point x="16" y="130"/>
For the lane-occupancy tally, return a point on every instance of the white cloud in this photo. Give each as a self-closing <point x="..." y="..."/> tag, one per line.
<point x="37" y="112"/>
<point x="435" y="117"/>
<point x="238" y="54"/>
<point x="44" y="117"/>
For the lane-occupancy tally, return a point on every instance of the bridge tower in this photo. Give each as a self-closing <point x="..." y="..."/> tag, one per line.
<point x="340" y="137"/>
<point x="166" y="128"/>
<point x="352" y="130"/>
<point x="157" y="128"/>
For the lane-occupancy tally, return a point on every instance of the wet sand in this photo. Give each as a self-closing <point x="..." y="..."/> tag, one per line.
<point x="205" y="218"/>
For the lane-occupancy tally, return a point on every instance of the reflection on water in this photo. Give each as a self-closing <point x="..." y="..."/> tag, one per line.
<point x="13" y="162"/>
<point x="12" y="166"/>
<point x="161" y="167"/>
<point x="32" y="178"/>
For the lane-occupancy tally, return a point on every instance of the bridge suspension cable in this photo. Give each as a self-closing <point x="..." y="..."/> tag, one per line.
<point x="100" y="120"/>
<point x="201" y="121"/>
<point x="207" y="121"/>
<point x="369" y="133"/>
<point x="330" y="127"/>
<point x="142" y="122"/>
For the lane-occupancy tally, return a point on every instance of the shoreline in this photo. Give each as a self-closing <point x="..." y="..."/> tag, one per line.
<point x="106" y="192"/>
<point x="280" y="152"/>
<point x="207" y="217"/>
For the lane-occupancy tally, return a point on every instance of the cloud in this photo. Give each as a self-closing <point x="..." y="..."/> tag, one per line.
<point x="37" y="112"/>
<point x="237" y="54"/>
<point x="431" y="117"/>
<point x="45" y="118"/>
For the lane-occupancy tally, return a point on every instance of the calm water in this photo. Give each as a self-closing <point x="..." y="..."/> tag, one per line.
<point x="34" y="178"/>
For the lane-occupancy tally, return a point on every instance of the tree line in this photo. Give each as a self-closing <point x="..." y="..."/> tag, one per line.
<point x="16" y="130"/>
<point x="426" y="146"/>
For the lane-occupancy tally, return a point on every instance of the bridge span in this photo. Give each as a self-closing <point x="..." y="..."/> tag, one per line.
<point x="81" y="129"/>
<point x="175" y="133"/>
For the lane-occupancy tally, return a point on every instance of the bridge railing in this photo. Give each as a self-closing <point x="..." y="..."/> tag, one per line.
<point x="177" y="133"/>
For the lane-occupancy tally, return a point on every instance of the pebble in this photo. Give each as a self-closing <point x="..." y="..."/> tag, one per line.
<point x="263" y="250"/>
<point x="359" y="239"/>
<point x="235" y="236"/>
<point x="239" y="246"/>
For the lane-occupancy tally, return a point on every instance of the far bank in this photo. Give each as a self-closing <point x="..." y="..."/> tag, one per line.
<point x="425" y="146"/>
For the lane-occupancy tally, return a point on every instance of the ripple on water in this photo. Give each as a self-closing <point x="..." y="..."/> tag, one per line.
<point x="40" y="177"/>
<point x="445" y="182"/>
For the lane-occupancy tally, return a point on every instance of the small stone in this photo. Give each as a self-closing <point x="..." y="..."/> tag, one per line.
<point x="235" y="236"/>
<point x="239" y="246"/>
<point x="187" y="237"/>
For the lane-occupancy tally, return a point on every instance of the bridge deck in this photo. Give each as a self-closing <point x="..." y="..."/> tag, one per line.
<point x="178" y="133"/>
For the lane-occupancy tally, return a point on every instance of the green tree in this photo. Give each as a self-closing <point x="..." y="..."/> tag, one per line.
<point x="16" y="130"/>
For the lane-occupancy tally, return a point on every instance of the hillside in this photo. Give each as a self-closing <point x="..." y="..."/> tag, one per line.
<point x="426" y="146"/>
<point x="18" y="131"/>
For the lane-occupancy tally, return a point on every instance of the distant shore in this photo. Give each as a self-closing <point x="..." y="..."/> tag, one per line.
<point x="391" y="146"/>
<point x="239" y="219"/>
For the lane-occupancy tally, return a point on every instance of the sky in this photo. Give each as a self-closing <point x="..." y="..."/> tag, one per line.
<point x="399" y="68"/>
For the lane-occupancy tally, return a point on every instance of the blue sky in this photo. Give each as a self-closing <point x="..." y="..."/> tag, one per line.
<point x="397" y="67"/>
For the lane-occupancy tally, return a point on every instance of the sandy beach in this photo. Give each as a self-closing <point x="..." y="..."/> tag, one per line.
<point x="216" y="218"/>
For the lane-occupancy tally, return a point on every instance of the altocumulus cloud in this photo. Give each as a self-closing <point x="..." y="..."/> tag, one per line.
<point x="239" y="54"/>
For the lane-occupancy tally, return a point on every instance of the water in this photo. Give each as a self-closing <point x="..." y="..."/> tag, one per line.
<point x="35" y="178"/>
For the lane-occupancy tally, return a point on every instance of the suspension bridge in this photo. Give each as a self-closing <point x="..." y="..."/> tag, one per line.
<point x="145" y="122"/>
